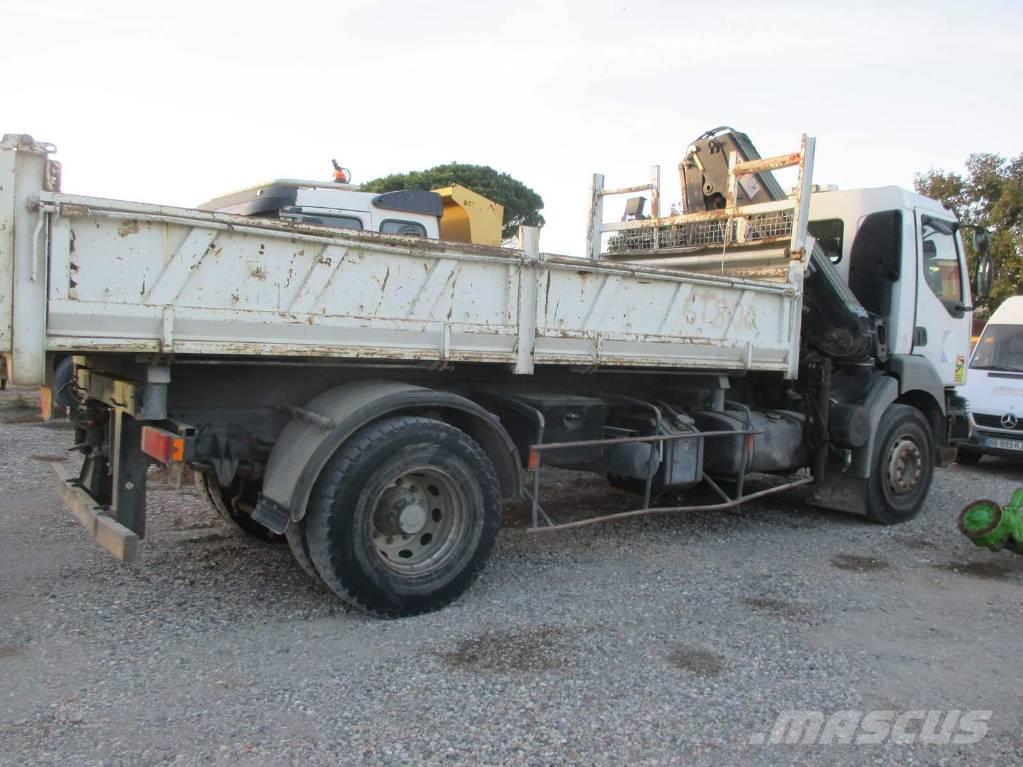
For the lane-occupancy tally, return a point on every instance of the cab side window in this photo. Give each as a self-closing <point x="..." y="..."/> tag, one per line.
<point x="407" y="228"/>
<point x="875" y="260"/>
<point x="829" y="232"/>
<point x="337" y="222"/>
<point x="940" y="256"/>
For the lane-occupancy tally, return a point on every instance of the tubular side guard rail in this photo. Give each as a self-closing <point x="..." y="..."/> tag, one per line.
<point x="727" y="502"/>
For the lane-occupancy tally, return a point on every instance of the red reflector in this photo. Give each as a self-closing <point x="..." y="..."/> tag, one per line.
<point x="534" y="459"/>
<point x="46" y="402"/>
<point x="162" y="445"/>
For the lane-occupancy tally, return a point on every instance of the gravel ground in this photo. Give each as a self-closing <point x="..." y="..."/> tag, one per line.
<point x="658" y="640"/>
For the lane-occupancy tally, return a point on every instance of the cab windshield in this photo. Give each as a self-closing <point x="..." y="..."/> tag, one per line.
<point x="1000" y="348"/>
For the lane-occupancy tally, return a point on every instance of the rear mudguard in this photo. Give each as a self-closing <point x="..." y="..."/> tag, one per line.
<point x="318" y="429"/>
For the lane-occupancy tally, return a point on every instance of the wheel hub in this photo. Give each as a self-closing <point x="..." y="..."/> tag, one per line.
<point x="417" y="519"/>
<point x="412" y="519"/>
<point x="400" y="512"/>
<point x="905" y="466"/>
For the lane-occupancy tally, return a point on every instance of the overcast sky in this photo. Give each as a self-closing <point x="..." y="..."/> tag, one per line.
<point x="178" y="102"/>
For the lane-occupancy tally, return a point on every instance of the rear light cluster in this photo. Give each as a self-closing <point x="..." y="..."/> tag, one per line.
<point x="163" y="445"/>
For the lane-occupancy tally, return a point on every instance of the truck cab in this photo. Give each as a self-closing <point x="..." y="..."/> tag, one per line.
<point x="902" y="256"/>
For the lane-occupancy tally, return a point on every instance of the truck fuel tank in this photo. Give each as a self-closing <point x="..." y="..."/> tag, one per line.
<point x="566" y="418"/>
<point x="673" y="463"/>
<point x="778" y="447"/>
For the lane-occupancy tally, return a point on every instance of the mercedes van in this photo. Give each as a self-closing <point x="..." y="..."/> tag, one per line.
<point x="994" y="387"/>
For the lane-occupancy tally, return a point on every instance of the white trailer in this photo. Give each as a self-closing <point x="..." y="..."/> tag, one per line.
<point x="373" y="397"/>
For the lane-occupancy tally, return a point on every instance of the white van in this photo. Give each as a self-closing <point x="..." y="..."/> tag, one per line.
<point x="994" y="387"/>
<point x="411" y="213"/>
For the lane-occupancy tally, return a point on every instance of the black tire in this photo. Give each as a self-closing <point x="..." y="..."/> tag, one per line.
<point x="298" y="544"/>
<point x="64" y="392"/>
<point x="227" y="501"/>
<point x="902" y="466"/>
<point x="404" y="516"/>
<point x="968" y="457"/>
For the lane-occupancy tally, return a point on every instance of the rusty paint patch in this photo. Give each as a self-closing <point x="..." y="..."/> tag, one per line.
<point x="128" y="227"/>
<point x="74" y="211"/>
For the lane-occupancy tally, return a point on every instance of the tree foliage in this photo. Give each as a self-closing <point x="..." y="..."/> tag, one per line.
<point x="989" y="194"/>
<point x="522" y="205"/>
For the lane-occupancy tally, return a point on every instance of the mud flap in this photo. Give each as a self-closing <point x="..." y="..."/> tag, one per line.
<point x="840" y="492"/>
<point x="271" y="515"/>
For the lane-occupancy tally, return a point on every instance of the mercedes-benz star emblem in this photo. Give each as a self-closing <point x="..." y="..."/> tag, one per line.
<point x="1009" y="421"/>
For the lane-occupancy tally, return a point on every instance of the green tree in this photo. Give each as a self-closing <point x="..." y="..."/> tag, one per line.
<point x="989" y="194"/>
<point x="522" y="205"/>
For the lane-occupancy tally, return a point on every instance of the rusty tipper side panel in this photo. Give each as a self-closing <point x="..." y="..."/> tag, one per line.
<point x="147" y="279"/>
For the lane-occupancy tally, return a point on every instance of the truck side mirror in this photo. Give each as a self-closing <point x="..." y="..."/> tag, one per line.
<point x="981" y="241"/>
<point x="985" y="276"/>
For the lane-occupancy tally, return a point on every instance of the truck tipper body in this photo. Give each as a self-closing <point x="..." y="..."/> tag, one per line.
<point x="371" y="396"/>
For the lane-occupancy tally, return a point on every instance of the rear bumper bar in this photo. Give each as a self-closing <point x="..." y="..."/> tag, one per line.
<point x="107" y="532"/>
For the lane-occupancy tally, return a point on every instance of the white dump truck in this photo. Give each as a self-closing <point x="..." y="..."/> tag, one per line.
<point x="373" y="396"/>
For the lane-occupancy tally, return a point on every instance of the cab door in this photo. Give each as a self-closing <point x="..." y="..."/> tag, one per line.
<point x="943" y="311"/>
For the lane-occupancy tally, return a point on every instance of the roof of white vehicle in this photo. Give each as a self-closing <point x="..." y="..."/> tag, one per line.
<point x="1009" y="313"/>
<point x="300" y="184"/>
<point x="882" y="198"/>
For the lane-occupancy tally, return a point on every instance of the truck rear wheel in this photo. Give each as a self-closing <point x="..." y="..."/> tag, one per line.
<point x="903" y="466"/>
<point x="298" y="544"/>
<point x="404" y="516"/>
<point x="227" y="502"/>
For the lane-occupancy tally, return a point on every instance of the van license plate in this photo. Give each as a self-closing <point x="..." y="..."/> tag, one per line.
<point x="1004" y="444"/>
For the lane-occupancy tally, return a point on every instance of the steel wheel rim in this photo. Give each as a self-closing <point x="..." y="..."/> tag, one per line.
<point x="905" y="467"/>
<point x="418" y="520"/>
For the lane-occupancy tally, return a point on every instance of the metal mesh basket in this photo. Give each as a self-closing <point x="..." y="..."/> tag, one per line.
<point x="702" y="234"/>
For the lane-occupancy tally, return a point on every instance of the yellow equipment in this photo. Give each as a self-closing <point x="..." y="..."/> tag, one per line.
<point x="469" y="217"/>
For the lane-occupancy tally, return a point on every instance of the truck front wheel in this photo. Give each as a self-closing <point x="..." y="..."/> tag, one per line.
<point x="903" y="466"/>
<point x="404" y="516"/>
